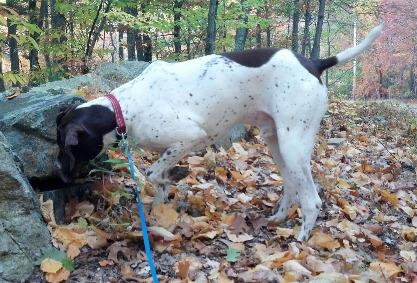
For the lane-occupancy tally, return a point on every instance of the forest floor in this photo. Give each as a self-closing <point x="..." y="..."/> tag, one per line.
<point x="215" y="228"/>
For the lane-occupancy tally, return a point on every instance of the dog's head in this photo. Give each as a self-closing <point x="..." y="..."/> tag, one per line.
<point x="80" y="133"/>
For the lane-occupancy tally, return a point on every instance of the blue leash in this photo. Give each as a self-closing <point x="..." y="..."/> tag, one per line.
<point x="148" y="251"/>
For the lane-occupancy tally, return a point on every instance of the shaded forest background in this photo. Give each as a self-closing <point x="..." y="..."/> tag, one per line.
<point x="46" y="40"/>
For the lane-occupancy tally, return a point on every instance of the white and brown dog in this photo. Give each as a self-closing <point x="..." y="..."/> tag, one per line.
<point x="176" y="108"/>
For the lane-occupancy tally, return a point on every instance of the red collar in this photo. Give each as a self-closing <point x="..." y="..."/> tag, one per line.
<point x="120" y="121"/>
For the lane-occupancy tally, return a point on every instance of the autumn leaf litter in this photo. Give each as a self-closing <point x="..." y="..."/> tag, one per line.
<point x="215" y="227"/>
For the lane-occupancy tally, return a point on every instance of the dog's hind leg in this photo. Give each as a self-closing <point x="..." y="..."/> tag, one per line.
<point x="269" y="134"/>
<point x="295" y="144"/>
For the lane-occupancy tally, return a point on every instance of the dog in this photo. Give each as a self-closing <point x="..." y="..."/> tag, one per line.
<point x="176" y="108"/>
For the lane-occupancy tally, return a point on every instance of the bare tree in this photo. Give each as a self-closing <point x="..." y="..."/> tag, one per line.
<point x="295" y="22"/>
<point x="211" y="27"/>
<point x="315" y="53"/>
<point x="258" y="30"/>
<point x="2" y="85"/>
<point x="131" y="36"/>
<point x="177" y="25"/>
<point x="305" y="44"/>
<point x="34" y="19"/>
<point x="242" y="31"/>
<point x="121" y="51"/>
<point x="14" y="52"/>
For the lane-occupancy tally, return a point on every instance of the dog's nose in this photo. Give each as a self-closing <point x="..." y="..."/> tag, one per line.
<point x="57" y="171"/>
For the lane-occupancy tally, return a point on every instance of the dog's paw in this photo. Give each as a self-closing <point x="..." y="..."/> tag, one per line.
<point x="161" y="195"/>
<point x="278" y="216"/>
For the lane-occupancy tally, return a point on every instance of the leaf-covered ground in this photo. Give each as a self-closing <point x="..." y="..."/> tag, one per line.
<point x="215" y="227"/>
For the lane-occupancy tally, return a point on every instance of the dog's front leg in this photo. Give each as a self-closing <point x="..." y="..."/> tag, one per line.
<point x="159" y="173"/>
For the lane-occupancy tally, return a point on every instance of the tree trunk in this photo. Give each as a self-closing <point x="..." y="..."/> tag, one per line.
<point x="242" y="31"/>
<point x="177" y="25"/>
<point x="328" y="46"/>
<point x="89" y="46"/>
<point x="295" y="22"/>
<point x="147" y="48"/>
<point x="2" y="85"/>
<point x="57" y="21"/>
<point x="146" y="40"/>
<point x="34" y="19"/>
<point x="315" y="53"/>
<point x="43" y="19"/>
<point x="131" y="48"/>
<point x="258" y="30"/>
<point x="306" y="36"/>
<point x="121" y="51"/>
<point x="188" y="41"/>
<point x="94" y="33"/>
<point x="211" y="27"/>
<point x="131" y="36"/>
<point x="139" y="47"/>
<point x="268" y="29"/>
<point x="14" y="52"/>
<point x="113" y="53"/>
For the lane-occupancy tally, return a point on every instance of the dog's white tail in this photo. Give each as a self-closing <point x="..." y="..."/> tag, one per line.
<point x="346" y="55"/>
<point x="350" y="53"/>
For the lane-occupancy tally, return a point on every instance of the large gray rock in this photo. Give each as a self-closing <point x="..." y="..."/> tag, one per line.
<point x="23" y="234"/>
<point x="28" y="122"/>
<point x="105" y="78"/>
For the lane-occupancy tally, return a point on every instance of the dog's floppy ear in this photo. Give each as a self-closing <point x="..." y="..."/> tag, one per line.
<point x="73" y="133"/>
<point x="71" y="138"/>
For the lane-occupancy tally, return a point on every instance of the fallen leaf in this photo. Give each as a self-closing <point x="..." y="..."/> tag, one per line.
<point x="69" y="235"/>
<point x="317" y="265"/>
<point x="73" y="251"/>
<point x="62" y="275"/>
<point x="209" y="235"/>
<point x="119" y="247"/>
<point x="126" y="271"/>
<point x="330" y="277"/>
<point x="360" y="179"/>
<point x="183" y="267"/>
<point x="162" y="232"/>
<point x="195" y="160"/>
<point x="409" y="233"/>
<point x="255" y="275"/>
<point x="221" y="173"/>
<point x="83" y="209"/>
<point x="278" y="259"/>
<point x="389" y="197"/>
<point x="47" y="210"/>
<point x="238" y="225"/>
<point x="296" y="267"/>
<point x="238" y="238"/>
<point x="163" y="215"/>
<point x="388" y="269"/>
<point x="223" y="278"/>
<point x="408" y="255"/>
<point x="232" y="255"/>
<point x="105" y="262"/>
<point x="322" y="240"/>
<point x="97" y="238"/>
<point x="50" y="265"/>
<point x="244" y="198"/>
<point x="284" y="232"/>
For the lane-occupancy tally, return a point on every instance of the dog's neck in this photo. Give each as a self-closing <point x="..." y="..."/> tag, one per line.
<point x="111" y="137"/>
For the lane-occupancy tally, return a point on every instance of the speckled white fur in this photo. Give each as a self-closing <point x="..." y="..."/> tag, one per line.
<point x="176" y="108"/>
